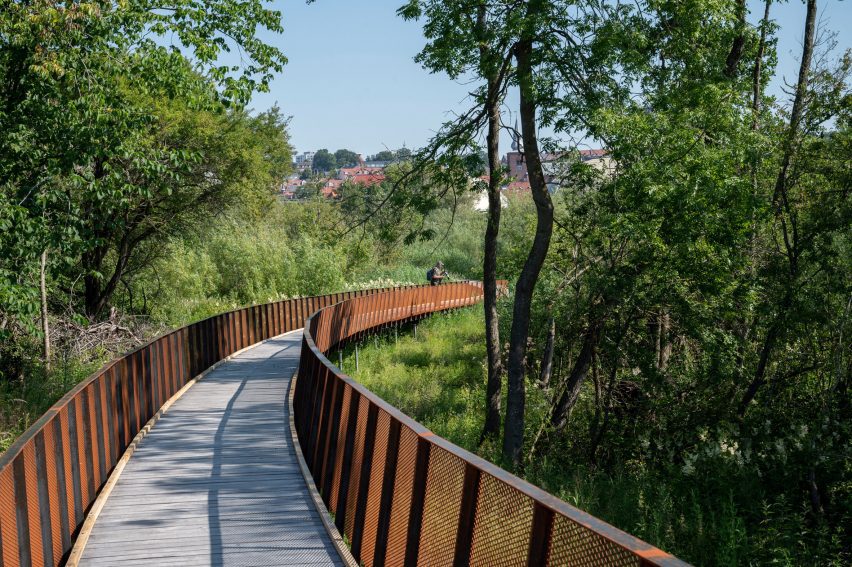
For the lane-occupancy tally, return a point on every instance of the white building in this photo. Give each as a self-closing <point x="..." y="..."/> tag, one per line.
<point x="305" y="158"/>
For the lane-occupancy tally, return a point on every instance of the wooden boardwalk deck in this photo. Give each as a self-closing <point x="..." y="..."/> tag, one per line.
<point x="216" y="481"/>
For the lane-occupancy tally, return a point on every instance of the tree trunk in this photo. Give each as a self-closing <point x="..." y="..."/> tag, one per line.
<point x="779" y="200"/>
<point x="45" y="325"/>
<point x="513" y="433"/>
<point x="92" y="265"/>
<point x="566" y="402"/>
<point x="489" y="268"/>
<point x="758" y="68"/>
<point x="736" y="52"/>
<point x="547" y="357"/>
<point x="98" y="295"/>
<point x="814" y="493"/>
<point x="654" y="326"/>
<point x="598" y="429"/>
<point x="760" y="372"/>
<point x="799" y="101"/>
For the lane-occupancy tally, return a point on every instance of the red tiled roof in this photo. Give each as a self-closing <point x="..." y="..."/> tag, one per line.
<point x="368" y="179"/>
<point x="359" y="170"/>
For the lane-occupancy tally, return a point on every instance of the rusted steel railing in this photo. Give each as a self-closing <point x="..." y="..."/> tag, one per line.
<point x="403" y="496"/>
<point x="52" y="474"/>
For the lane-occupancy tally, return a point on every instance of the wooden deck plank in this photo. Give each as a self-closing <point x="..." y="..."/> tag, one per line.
<point x="216" y="481"/>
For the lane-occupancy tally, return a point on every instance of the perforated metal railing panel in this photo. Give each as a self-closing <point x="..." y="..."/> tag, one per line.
<point x="400" y="494"/>
<point x="403" y="496"/>
<point x="52" y="474"/>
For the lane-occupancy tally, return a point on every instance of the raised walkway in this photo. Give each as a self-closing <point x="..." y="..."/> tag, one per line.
<point x="216" y="481"/>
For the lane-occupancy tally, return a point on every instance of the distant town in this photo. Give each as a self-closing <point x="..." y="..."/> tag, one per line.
<point x="323" y="173"/>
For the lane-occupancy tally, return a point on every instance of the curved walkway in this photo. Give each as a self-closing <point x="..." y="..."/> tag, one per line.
<point x="216" y="481"/>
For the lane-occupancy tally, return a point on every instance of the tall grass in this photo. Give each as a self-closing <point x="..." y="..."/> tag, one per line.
<point x="438" y="379"/>
<point x="24" y="400"/>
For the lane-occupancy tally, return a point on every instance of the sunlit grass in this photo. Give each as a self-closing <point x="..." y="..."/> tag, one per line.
<point x="436" y="378"/>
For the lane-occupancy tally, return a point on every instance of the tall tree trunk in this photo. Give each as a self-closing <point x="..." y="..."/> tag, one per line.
<point x="654" y="326"/>
<point x="799" y="101"/>
<point x="763" y="361"/>
<point x="756" y="78"/>
<point x="92" y="264"/>
<point x="779" y="202"/>
<point x="598" y="429"/>
<point x="99" y="294"/>
<point x="489" y="268"/>
<point x="45" y="324"/>
<point x="756" y="102"/>
<point x="513" y="433"/>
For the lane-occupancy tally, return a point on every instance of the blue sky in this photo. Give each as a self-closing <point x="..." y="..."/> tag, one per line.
<point x="351" y="81"/>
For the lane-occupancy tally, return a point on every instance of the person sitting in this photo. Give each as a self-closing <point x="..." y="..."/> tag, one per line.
<point x="436" y="274"/>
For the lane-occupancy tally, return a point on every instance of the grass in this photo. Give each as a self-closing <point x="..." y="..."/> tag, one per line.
<point x="437" y="378"/>
<point x="23" y="402"/>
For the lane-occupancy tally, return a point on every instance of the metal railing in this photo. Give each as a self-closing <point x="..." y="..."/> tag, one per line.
<point x="404" y="496"/>
<point x="52" y="474"/>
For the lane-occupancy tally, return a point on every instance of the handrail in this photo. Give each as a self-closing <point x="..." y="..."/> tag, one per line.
<point x="403" y="495"/>
<point x="52" y="474"/>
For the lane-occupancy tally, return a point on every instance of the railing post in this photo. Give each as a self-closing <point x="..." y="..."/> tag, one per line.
<point x="320" y="424"/>
<point x="418" y="501"/>
<point x="383" y="527"/>
<point x="346" y="465"/>
<point x="364" y="480"/>
<point x="314" y="400"/>
<point x="542" y="528"/>
<point x="467" y="514"/>
<point x="330" y="458"/>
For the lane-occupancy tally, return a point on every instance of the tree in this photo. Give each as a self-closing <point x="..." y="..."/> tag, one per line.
<point x="384" y="155"/>
<point x="784" y="213"/>
<point x="72" y="82"/>
<point x="216" y="159"/>
<point x="696" y="290"/>
<point x="468" y="37"/>
<point x="513" y="431"/>
<point x="346" y="158"/>
<point x="324" y="161"/>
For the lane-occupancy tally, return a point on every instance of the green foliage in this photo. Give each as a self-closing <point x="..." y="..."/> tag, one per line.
<point x="345" y="158"/>
<point x="289" y="250"/>
<point x="698" y="277"/>
<point x="84" y="91"/>
<point x="123" y="135"/>
<point x="324" y="161"/>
